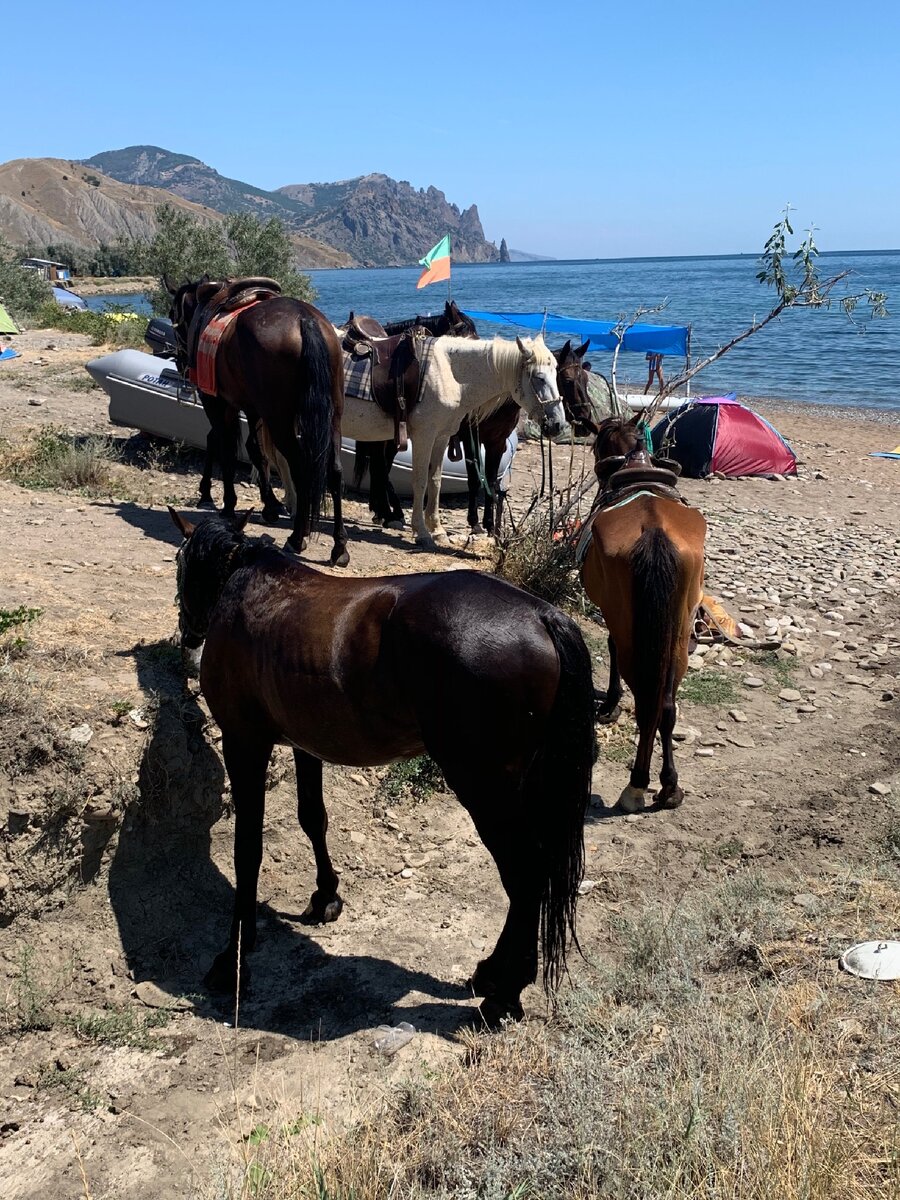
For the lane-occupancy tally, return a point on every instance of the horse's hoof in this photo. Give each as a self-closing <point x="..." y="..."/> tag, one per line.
<point x="271" y="514"/>
<point x="291" y="546"/>
<point x="606" y="716"/>
<point x="394" y="524"/>
<point x="322" y="912"/>
<point x="222" y="976"/>
<point x="425" y="541"/>
<point x="340" y="557"/>
<point x="671" y="797"/>
<point x="495" y="1011"/>
<point x="482" y="982"/>
<point x="477" y="530"/>
<point x="441" y="539"/>
<point x="632" y="799"/>
<point x="206" y="502"/>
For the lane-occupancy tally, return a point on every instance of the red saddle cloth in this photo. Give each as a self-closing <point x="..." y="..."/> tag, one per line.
<point x="203" y="375"/>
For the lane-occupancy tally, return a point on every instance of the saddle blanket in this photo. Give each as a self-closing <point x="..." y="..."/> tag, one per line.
<point x="358" y="372"/>
<point x="203" y="374"/>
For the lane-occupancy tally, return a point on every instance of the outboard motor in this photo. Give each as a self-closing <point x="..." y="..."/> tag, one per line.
<point x="160" y="337"/>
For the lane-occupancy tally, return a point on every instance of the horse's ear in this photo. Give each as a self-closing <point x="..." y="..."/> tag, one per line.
<point x="241" y="520"/>
<point x="565" y="351"/>
<point x="523" y="349"/>
<point x="182" y="524"/>
<point x="585" y="366"/>
<point x="170" y="287"/>
<point x="582" y="350"/>
<point x="205" y="279"/>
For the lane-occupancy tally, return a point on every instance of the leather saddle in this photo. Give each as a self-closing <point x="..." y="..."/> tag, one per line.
<point x="396" y="367"/>
<point x="623" y="475"/>
<point x="223" y="296"/>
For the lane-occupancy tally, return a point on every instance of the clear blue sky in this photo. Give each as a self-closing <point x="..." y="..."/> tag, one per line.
<point x="579" y="129"/>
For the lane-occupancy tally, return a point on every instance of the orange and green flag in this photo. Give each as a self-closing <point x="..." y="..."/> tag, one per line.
<point x="436" y="263"/>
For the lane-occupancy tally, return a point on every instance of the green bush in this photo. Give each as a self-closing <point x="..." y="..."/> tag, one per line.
<point x="22" y="291"/>
<point x="116" y="326"/>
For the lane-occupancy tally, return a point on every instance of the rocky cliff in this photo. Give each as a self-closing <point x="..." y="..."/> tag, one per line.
<point x="374" y="220"/>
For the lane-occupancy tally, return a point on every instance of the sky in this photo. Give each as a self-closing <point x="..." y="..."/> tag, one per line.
<point x="588" y="130"/>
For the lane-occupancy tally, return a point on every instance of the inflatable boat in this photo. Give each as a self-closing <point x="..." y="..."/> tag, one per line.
<point x="146" y="392"/>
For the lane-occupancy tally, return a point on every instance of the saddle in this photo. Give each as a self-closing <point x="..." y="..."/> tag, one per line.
<point x="218" y="297"/>
<point x="396" y="367"/>
<point x="622" y="476"/>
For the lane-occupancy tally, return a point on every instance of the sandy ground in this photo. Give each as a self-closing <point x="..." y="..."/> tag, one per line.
<point x="115" y="860"/>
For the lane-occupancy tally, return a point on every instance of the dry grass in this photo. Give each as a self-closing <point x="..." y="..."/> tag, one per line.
<point x="52" y="458"/>
<point x="715" y="1054"/>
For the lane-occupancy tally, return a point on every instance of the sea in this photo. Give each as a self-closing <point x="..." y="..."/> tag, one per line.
<point x="815" y="357"/>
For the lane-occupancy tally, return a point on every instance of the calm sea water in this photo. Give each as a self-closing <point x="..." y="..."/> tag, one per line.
<point x="817" y="357"/>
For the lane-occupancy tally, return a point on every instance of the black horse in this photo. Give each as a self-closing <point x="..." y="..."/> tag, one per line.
<point x="369" y="671"/>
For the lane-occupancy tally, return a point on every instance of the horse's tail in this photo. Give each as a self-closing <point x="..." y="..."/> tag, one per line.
<point x="655" y="567"/>
<point x="557" y="791"/>
<point x="316" y="414"/>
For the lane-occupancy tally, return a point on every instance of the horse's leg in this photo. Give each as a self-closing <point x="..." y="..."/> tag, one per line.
<point x="230" y="431"/>
<point x="206" y="500"/>
<point x="285" y="441"/>
<point x="339" y="555"/>
<point x="607" y="709"/>
<point x="473" y="483"/>
<point x="421" y="463"/>
<point x="272" y="508"/>
<point x="433" y="504"/>
<point x="325" y="904"/>
<point x="632" y="797"/>
<point x="246" y="763"/>
<point x="494" y="498"/>
<point x="512" y="965"/>
<point x="670" y="795"/>
<point x="396" y="519"/>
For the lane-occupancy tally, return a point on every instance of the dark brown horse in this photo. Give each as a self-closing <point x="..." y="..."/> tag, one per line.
<point x="643" y="567"/>
<point x="278" y="362"/>
<point x="369" y="671"/>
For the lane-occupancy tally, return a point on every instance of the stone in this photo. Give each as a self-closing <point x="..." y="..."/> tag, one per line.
<point x="752" y="681"/>
<point x="790" y="694"/>
<point x="737" y="715"/>
<point x="807" y="901"/>
<point x="704" y="753"/>
<point x="81" y="734"/>
<point x="407" y="873"/>
<point x="357" y="778"/>
<point x="154" y="997"/>
<point x="357" y="838"/>
<point x="744" y="740"/>
<point x="880" y="789"/>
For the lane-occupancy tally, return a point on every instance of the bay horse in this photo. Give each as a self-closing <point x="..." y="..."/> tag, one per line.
<point x="279" y="362"/>
<point x="370" y="671"/>
<point x="643" y="566"/>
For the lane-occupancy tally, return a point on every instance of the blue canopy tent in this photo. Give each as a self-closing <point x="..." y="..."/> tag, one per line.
<point x="643" y="339"/>
<point x="640" y="339"/>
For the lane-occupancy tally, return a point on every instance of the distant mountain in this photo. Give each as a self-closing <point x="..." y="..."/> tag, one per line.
<point x="373" y="220"/>
<point x="383" y="222"/>
<point x="47" y="201"/>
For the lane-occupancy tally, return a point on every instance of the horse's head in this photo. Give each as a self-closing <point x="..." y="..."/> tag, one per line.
<point x="183" y="304"/>
<point x="202" y="566"/>
<point x="458" y="323"/>
<point x="537" y="390"/>
<point x="617" y="439"/>
<point x="571" y="379"/>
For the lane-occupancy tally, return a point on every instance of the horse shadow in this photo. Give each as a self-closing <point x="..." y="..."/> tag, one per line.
<point x="173" y="905"/>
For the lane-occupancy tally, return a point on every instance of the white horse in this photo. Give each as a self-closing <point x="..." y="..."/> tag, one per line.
<point x="461" y="378"/>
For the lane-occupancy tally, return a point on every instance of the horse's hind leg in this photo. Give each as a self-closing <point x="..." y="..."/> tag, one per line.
<point x="473" y="483"/>
<point x="246" y="763"/>
<point x="632" y="797"/>
<point x="670" y="795"/>
<point x="339" y="555"/>
<point x="607" y="709"/>
<point x="325" y="903"/>
<point x="494" y="806"/>
<point x="272" y="509"/>
<point x="206" y="500"/>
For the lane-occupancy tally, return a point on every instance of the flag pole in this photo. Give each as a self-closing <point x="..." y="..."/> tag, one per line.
<point x="448" y="276"/>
